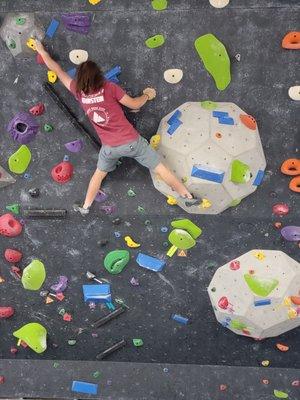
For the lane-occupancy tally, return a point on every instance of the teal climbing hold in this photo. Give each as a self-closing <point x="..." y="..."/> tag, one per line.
<point x="215" y="59"/>
<point x="159" y="5"/>
<point x="155" y="41"/>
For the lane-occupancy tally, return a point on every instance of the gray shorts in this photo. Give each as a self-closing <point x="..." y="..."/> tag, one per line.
<point x="140" y="150"/>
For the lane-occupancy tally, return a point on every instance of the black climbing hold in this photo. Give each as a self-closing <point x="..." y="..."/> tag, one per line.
<point x="116" y="221"/>
<point x="34" y="192"/>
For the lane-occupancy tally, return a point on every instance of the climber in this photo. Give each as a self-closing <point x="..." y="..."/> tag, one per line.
<point x="102" y="100"/>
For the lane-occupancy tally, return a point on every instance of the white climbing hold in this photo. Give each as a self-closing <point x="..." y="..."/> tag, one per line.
<point x="78" y="56"/>
<point x="173" y="75"/>
<point x="219" y="3"/>
<point x="294" y="92"/>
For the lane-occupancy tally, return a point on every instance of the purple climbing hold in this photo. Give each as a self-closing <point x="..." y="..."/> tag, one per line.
<point x="75" y="147"/>
<point x="61" y="285"/>
<point x="23" y="127"/>
<point x="291" y="233"/>
<point x="77" y="22"/>
<point x="108" y="209"/>
<point x="101" y="196"/>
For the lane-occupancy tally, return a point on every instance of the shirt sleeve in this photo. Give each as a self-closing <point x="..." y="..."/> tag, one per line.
<point x="73" y="88"/>
<point x="117" y="91"/>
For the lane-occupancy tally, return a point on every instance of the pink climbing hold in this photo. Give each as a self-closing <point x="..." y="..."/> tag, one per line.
<point x="235" y="265"/>
<point x="12" y="255"/>
<point x="280" y="209"/>
<point x="37" y="109"/>
<point x="62" y="172"/>
<point x="9" y="225"/>
<point x="223" y="303"/>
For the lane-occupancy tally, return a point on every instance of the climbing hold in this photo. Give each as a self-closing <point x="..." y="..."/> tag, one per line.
<point x="294" y="92"/>
<point x="31" y="44"/>
<point x="52" y="76"/>
<point x="23" y="127"/>
<point x="209" y="105"/>
<point x="215" y="59"/>
<point x="78" y="56"/>
<point x="131" y="243"/>
<point x="78" y="386"/>
<point x="206" y="203"/>
<point x="97" y="293"/>
<point x="173" y="75"/>
<point x="159" y="5"/>
<point x="61" y="285"/>
<point x="62" y="172"/>
<point x="234" y="265"/>
<point x="9" y="226"/>
<point x="207" y="173"/>
<point x="189" y="226"/>
<point x="280" y="395"/>
<point x="134" y="281"/>
<point x="261" y="286"/>
<point x="101" y="196"/>
<point x="67" y="317"/>
<point x="34" y="335"/>
<point x="78" y="22"/>
<point x="33" y="275"/>
<point x="117" y="234"/>
<point x="112" y="74"/>
<point x="155" y="41"/>
<point x="72" y="342"/>
<point x="240" y="172"/>
<point x="181" y="239"/>
<point x="14" y="208"/>
<point x="280" y="209"/>
<point x="219" y="3"/>
<point x="12" y="255"/>
<point x="295" y="184"/>
<point x="291" y="167"/>
<point x="34" y="192"/>
<point x="137" y="342"/>
<point x="291" y="233"/>
<point x="260" y="255"/>
<point x="109" y="209"/>
<point x="6" y="312"/>
<point x="151" y="263"/>
<point x="116" y="261"/>
<point x="75" y="147"/>
<point x="282" y="347"/>
<point x="5" y="178"/>
<point x="296" y="383"/>
<point x="131" y="193"/>
<point x="174" y="122"/>
<point x="238" y="57"/>
<point x="94" y="2"/>
<point x="38" y="109"/>
<point x="52" y="28"/>
<point x="171" y="201"/>
<point x="20" y="21"/>
<point x="116" y="221"/>
<point x="291" y="41"/>
<point x="179" y="318"/>
<point x="154" y="141"/>
<point x="248" y="121"/>
<point x="48" y="128"/>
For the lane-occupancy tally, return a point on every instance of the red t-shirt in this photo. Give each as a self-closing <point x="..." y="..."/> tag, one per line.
<point x="106" y="114"/>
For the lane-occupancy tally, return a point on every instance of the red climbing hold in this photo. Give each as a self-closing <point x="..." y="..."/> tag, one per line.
<point x="62" y="172"/>
<point x="235" y="265"/>
<point x="9" y="226"/>
<point x="2" y="379"/>
<point x="37" y="109"/>
<point x="12" y="256"/>
<point x="6" y="312"/>
<point x="248" y="121"/>
<point x="291" y="41"/>
<point x="223" y="303"/>
<point x="280" y="209"/>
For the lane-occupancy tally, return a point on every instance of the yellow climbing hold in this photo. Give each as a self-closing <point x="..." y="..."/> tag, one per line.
<point x="131" y="243"/>
<point x="154" y="141"/>
<point x="265" y="363"/>
<point x="292" y="314"/>
<point x="260" y="255"/>
<point x="171" y="201"/>
<point x="206" y="203"/>
<point x="52" y="77"/>
<point x="31" y="44"/>
<point x="287" y="301"/>
<point x="94" y="2"/>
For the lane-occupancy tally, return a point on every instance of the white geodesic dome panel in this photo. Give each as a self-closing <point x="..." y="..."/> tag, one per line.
<point x="15" y="35"/>
<point x="202" y="149"/>
<point x="257" y="294"/>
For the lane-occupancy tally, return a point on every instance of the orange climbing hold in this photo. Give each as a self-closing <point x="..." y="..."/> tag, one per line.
<point x="295" y="300"/>
<point x="291" y="167"/>
<point x="248" y="121"/>
<point x="295" y="184"/>
<point x="291" y="41"/>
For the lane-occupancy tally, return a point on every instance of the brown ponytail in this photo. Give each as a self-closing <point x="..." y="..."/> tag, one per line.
<point x="89" y="78"/>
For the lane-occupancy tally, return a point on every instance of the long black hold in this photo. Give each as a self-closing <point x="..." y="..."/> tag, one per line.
<point x="103" y="320"/>
<point x="70" y="115"/>
<point x="111" y="349"/>
<point x="44" y="213"/>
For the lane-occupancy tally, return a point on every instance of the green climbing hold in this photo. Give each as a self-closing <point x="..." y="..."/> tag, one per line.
<point x="215" y="59"/>
<point x="61" y="311"/>
<point x="96" y="374"/>
<point x="116" y="261"/>
<point x="181" y="239"/>
<point x="280" y="395"/>
<point x="19" y="161"/>
<point x="237" y="325"/>
<point x="260" y="286"/>
<point x="48" y="128"/>
<point x="155" y="41"/>
<point x="71" y="342"/>
<point x="235" y="202"/>
<point x="159" y="5"/>
<point x="189" y="226"/>
<point x="137" y="342"/>
<point x="141" y="209"/>
<point x="34" y="335"/>
<point x="12" y="44"/>
<point x="33" y="275"/>
<point x="209" y="105"/>
<point x="55" y="365"/>
<point x="15" y="208"/>
<point x="131" y="193"/>
<point x="240" y="172"/>
<point x="20" y="21"/>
